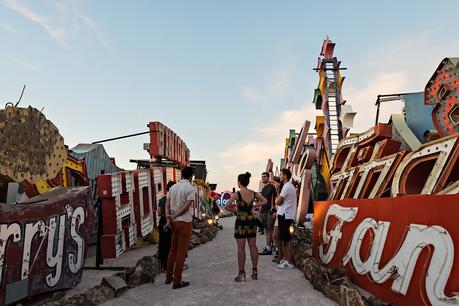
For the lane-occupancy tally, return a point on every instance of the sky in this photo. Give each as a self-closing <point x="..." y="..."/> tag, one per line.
<point x="229" y="77"/>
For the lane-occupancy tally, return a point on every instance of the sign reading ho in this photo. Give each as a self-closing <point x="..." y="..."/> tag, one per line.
<point x="399" y="249"/>
<point x="128" y="207"/>
<point x="164" y="143"/>
<point x="224" y="197"/>
<point x="43" y="245"/>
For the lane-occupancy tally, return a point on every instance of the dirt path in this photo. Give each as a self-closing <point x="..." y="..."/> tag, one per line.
<point x="212" y="270"/>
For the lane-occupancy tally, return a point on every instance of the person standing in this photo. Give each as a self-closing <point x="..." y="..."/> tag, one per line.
<point x="245" y="228"/>
<point x="215" y="210"/>
<point x="279" y="255"/>
<point x="165" y="232"/>
<point x="180" y="217"/>
<point x="287" y="202"/>
<point x="269" y="192"/>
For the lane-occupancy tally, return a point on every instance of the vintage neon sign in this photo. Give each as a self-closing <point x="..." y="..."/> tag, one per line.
<point x="128" y="205"/>
<point x="367" y="167"/>
<point x="164" y="143"/>
<point x="391" y="259"/>
<point x="43" y="244"/>
<point x="224" y="197"/>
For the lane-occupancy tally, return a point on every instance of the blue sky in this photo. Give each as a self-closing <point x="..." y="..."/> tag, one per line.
<point x="229" y="77"/>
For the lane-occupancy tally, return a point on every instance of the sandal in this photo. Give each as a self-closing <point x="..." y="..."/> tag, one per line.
<point x="240" y="277"/>
<point x="254" y="274"/>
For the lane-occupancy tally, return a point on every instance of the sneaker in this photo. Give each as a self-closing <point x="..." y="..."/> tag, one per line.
<point x="180" y="285"/>
<point x="276" y="260"/>
<point x="285" y="265"/>
<point x="266" y="252"/>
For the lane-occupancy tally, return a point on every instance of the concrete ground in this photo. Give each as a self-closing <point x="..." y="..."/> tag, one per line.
<point x="213" y="267"/>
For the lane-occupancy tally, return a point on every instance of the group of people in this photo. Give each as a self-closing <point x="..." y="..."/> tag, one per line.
<point x="276" y="202"/>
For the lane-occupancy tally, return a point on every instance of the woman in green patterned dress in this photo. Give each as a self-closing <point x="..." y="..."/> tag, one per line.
<point x="246" y="226"/>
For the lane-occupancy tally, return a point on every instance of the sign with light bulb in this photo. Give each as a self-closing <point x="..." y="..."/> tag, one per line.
<point x="224" y="197"/>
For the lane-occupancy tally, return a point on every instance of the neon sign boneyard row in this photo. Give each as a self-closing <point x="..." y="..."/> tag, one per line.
<point x="389" y="218"/>
<point x="43" y="244"/>
<point x="370" y="239"/>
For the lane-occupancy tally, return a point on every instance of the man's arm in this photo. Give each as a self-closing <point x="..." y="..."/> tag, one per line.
<point x="191" y="194"/>
<point x="261" y="200"/>
<point x="183" y="210"/>
<point x="228" y="205"/>
<point x="168" y="208"/>
<point x="282" y="195"/>
<point x="279" y="200"/>
<point x="168" y="212"/>
<point x="273" y="196"/>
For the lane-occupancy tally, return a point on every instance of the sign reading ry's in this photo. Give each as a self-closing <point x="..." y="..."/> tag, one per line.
<point x="164" y="143"/>
<point x="43" y="244"/>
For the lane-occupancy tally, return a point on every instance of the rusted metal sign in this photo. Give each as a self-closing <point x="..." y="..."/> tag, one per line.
<point x="164" y="143"/>
<point x="31" y="147"/>
<point x="43" y="242"/>
<point x="442" y="91"/>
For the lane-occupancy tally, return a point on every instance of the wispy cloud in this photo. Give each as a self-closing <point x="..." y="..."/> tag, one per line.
<point x="267" y="142"/>
<point x="363" y="97"/>
<point x="91" y="25"/>
<point x="60" y="24"/>
<point x="8" y="28"/>
<point x="393" y="67"/>
<point x="27" y="65"/>
<point x="277" y="85"/>
<point x="55" y="33"/>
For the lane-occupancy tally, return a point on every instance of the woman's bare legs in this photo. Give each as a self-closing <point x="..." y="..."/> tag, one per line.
<point x="241" y="253"/>
<point x="253" y="251"/>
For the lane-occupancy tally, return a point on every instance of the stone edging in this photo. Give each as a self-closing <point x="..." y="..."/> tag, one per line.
<point x="333" y="283"/>
<point x="145" y="271"/>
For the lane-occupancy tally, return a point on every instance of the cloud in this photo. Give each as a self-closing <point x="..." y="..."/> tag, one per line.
<point x="27" y="65"/>
<point x="8" y="28"/>
<point x="363" y="98"/>
<point x="55" y="33"/>
<point x="277" y="84"/>
<point x="387" y="67"/>
<point x="91" y="25"/>
<point x="267" y="142"/>
<point x="292" y="118"/>
<point x="61" y="24"/>
<point x="253" y="96"/>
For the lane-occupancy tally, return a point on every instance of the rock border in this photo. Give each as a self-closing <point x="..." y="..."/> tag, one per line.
<point x="144" y="272"/>
<point x="333" y="283"/>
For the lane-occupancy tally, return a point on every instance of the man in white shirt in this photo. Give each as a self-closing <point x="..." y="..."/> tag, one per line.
<point x="180" y="216"/>
<point x="287" y="204"/>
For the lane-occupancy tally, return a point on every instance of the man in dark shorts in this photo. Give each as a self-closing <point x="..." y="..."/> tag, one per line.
<point x="269" y="192"/>
<point x="287" y="204"/>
